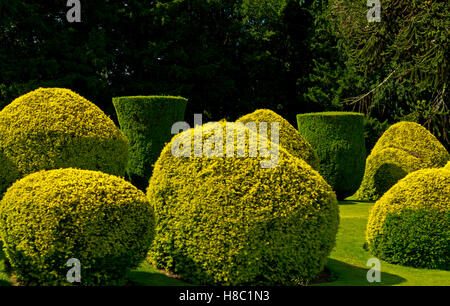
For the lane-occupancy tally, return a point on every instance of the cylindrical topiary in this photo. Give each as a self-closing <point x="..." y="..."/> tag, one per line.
<point x="52" y="128"/>
<point x="289" y="138"/>
<point x="404" y="147"/>
<point x="338" y="139"/>
<point x="227" y="220"/>
<point x="410" y="223"/>
<point x="147" y="122"/>
<point x="49" y="217"/>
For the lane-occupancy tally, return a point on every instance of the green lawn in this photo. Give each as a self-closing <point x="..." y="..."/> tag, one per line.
<point x="347" y="262"/>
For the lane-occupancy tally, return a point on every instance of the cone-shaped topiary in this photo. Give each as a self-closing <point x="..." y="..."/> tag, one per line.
<point x="410" y="224"/>
<point x="225" y="220"/>
<point x="52" y="128"/>
<point x="404" y="147"/>
<point x="290" y="139"/>
<point x="147" y="122"/>
<point x="49" y="217"/>
<point x="338" y="139"/>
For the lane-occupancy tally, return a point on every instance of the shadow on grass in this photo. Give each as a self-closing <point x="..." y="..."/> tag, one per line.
<point x="4" y="268"/>
<point x="347" y="202"/>
<point x="141" y="278"/>
<point x="344" y="274"/>
<point x="353" y="202"/>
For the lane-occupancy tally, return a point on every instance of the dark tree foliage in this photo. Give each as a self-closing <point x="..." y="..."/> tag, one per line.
<point x="230" y="57"/>
<point x="404" y="58"/>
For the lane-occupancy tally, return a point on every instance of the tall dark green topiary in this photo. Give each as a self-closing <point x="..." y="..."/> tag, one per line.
<point x="147" y="122"/>
<point x="338" y="139"/>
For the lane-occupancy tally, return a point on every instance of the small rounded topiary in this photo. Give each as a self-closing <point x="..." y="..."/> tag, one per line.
<point x="147" y="122"/>
<point x="289" y="137"/>
<point x="404" y="147"/>
<point x="338" y="138"/>
<point x="224" y="220"/>
<point x="49" y="217"/>
<point x="52" y="128"/>
<point x="410" y="224"/>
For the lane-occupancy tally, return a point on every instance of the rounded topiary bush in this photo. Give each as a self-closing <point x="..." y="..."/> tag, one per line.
<point x="338" y="139"/>
<point x="8" y="172"/>
<point x="404" y="147"/>
<point x="410" y="224"/>
<point x="229" y="221"/>
<point x="447" y="166"/>
<point x="147" y="122"/>
<point x="52" y="128"/>
<point x="388" y="166"/>
<point x="48" y="217"/>
<point x="289" y="137"/>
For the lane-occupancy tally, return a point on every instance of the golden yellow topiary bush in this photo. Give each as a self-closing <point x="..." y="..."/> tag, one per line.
<point x="410" y="224"/>
<point x="447" y="166"/>
<point x="48" y="217"/>
<point x="290" y="138"/>
<point x="227" y="220"/>
<point x="52" y="128"/>
<point x="404" y="147"/>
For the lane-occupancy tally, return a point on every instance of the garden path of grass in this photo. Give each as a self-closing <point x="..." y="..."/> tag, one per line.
<point x="347" y="262"/>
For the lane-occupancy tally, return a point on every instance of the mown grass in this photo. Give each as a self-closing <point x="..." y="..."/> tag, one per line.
<point x="347" y="262"/>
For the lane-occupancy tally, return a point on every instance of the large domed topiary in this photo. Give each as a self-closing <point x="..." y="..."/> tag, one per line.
<point x="52" y="128"/>
<point x="289" y="138"/>
<point x="49" y="217"/>
<point x="230" y="221"/>
<point x="338" y="139"/>
<point x="410" y="224"/>
<point x="404" y="147"/>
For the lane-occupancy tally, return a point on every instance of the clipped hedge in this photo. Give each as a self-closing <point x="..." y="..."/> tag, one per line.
<point x="52" y="128"/>
<point x="404" y="147"/>
<point x="289" y="137"/>
<point x="228" y="221"/>
<point x="51" y="216"/>
<point x="410" y="224"/>
<point x="338" y="139"/>
<point x="147" y="122"/>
